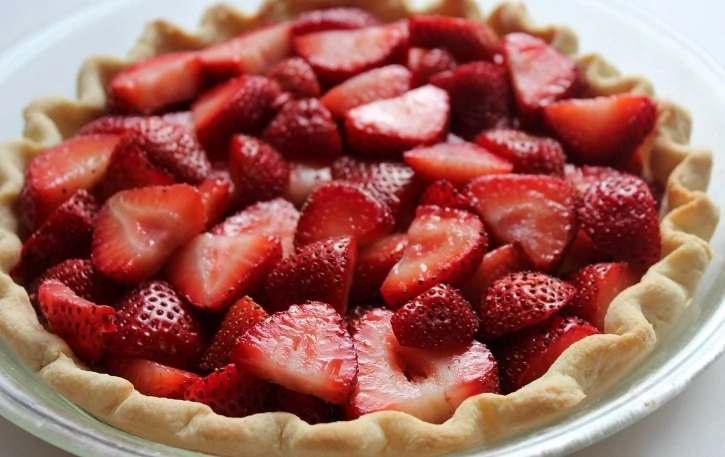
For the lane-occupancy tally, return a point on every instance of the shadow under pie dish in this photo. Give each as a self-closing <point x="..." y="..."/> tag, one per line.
<point x="560" y="389"/>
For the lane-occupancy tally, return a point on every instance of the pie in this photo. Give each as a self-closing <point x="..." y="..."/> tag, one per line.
<point x="463" y="260"/>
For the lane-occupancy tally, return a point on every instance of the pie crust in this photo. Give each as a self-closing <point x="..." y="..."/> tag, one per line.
<point x="637" y="319"/>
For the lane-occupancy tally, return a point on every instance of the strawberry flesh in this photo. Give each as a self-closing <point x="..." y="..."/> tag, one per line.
<point x="305" y="176"/>
<point x="425" y="63"/>
<point x="230" y="392"/>
<point x="374" y="263"/>
<point x="496" y="264"/>
<point x="216" y="194"/>
<point x="341" y="18"/>
<point x="529" y="154"/>
<point x="151" y="378"/>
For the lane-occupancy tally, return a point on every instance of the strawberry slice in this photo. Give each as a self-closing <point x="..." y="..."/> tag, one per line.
<point x="357" y="312"/>
<point x="230" y="392"/>
<point x="137" y="230"/>
<point x="320" y="271"/>
<point x="584" y="177"/>
<point x="155" y="323"/>
<point x="341" y="54"/>
<point x="527" y="355"/>
<point x="251" y="53"/>
<point x="111" y="125"/>
<point x="306" y="349"/>
<point x="58" y="172"/>
<point x="521" y="300"/>
<point x="309" y="408"/>
<point x="373" y="85"/>
<point x="456" y="163"/>
<point x="467" y="40"/>
<point x="496" y="264"/>
<point x="323" y="20"/>
<point x="83" y="325"/>
<point x="536" y="211"/>
<point x="151" y="378"/>
<point x="343" y="209"/>
<point x="529" y="154"/>
<point x="445" y="245"/>
<point x="446" y="195"/>
<point x="616" y="126"/>
<point x="581" y="252"/>
<point x="390" y="127"/>
<point x="296" y="77"/>
<point x="130" y="168"/>
<point x="304" y="178"/>
<point x="276" y="217"/>
<point x="183" y="119"/>
<point x="216" y="195"/>
<point x="426" y="383"/>
<point x="374" y="262"/>
<point x="425" y="63"/>
<point x="213" y="271"/>
<point x="597" y="285"/>
<point x="258" y="171"/>
<point x="155" y="84"/>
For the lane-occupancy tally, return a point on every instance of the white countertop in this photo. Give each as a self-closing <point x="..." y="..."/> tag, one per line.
<point x="691" y="424"/>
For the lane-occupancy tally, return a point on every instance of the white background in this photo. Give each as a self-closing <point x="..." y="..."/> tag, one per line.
<point x="690" y="425"/>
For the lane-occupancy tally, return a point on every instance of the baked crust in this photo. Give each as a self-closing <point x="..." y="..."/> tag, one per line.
<point x="636" y="320"/>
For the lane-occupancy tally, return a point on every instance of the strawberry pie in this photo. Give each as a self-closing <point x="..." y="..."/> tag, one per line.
<point x="358" y="230"/>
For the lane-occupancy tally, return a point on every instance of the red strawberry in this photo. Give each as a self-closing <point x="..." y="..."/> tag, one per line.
<point x="320" y="271"/>
<point x="445" y="194"/>
<point x="467" y="40"/>
<point x="343" y="209"/>
<point x="83" y="325"/>
<point x="439" y="317"/>
<point x="251" y="53"/>
<point x="272" y="218"/>
<point x="304" y="178"/>
<point x="213" y="271"/>
<point x="155" y="323"/>
<point x="341" y="54"/>
<point x="374" y="262"/>
<point x="296" y="77"/>
<point x="426" y="383"/>
<point x="306" y="349"/>
<point x="456" y="163"/>
<point x="243" y="315"/>
<point x="307" y="407"/>
<point x="356" y="313"/>
<point x="216" y="194"/>
<point x="333" y="19"/>
<point x="521" y="300"/>
<point x="618" y="125"/>
<point x="137" y="230"/>
<point x="373" y="85"/>
<point x="230" y="392"/>
<point x="597" y="285"/>
<point x="130" y="168"/>
<point x="527" y="355"/>
<point x="425" y="63"/>
<point x="496" y="264"/>
<point x="536" y="211"/>
<point x="151" y="378"/>
<point x="390" y="127"/>
<point x="155" y="84"/>
<point x="584" y="177"/>
<point x="58" y="172"/>
<point x="183" y="119"/>
<point x="257" y="170"/>
<point x="445" y="245"/>
<point x="111" y="125"/>
<point x="241" y="105"/>
<point x="620" y="217"/>
<point x="581" y="252"/>
<point x="480" y="95"/>
<point x="528" y="153"/>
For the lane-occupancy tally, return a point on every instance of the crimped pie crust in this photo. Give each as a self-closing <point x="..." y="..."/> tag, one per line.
<point x="636" y="320"/>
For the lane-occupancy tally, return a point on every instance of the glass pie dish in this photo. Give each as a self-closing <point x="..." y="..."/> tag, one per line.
<point x="697" y="325"/>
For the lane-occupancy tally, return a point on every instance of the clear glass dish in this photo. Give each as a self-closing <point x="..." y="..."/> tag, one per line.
<point x="678" y="70"/>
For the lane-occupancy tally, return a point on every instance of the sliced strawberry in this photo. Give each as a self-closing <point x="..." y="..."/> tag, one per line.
<point x="619" y="216"/>
<point x="306" y="349"/>
<point x="446" y="195"/>
<point x="155" y="323"/>
<point x="425" y="63"/>
<point x="373" y="85"/>
<point x="296" y="77"/>
<point x="130" y="168"/>
<point x="251" y="53"/>
<point x="581" y="252"/>
<point x="83" y="325"/>
<point x="388" y="128"/>
<point x="374" y="262"/>
<point x="258" y="171"/>
<point x="213" y="271"/>
<point x="304" y="129"/>
<point x="272" y="218"/>
<point x="216" y="194"/>
<point x="183" y="119"/>
<point x="426" y="383"/>
<point x="230" y="392"/>
<point x="58" y="172"/>
<point x="320" y="271"/>
<point x="584" y="177"/>
<point x="529" y="154"/>
<point x="357" y="312"/>
<point x="467" y="40"/>
<point x="242" y="105"/>
<point x="445" y="245"/>
<point x="111" y="125"/>
<point x="137" y="230"/>
<point x="343" y="209"/>
<point x="323" y="20"/>
<point x="527" y="355"/>
<point x="155" y="84"/>
<point x="304" y="178"/>
<point x="151" y="378"/>
<point x="616" y="126"/>
<point x="496" y="264"/>
<point x="457" y="163"/>
<point x="520" y="300"/>
<point x="341" y="54"/>
<point x="309" y="408"/>
<point x="536" y="211"/>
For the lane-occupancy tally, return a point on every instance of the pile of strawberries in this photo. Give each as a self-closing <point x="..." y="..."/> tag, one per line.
<point x="333" y="216"/>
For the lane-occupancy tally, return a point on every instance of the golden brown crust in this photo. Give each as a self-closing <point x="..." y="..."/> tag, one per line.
<point x="636" y="320"/>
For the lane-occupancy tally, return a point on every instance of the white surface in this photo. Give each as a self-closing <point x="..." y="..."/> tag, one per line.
<point x="688" y="425"/>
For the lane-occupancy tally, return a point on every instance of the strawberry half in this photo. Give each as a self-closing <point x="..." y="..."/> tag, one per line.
<point x="306" y="349"/>
<point x="467" y="40"/>
<point x="151" y="378"/>
<point x="258" y="171"/>
<point x="110" y="125"/>
<point x="304" y="178"/>
<point x="374" y="262"/>
<point x="323" y="20"/>
<point x="309" y="408"/>
<point x="457" y="163"/>
<point x="529" y="154"/>
<point x="296" y="77"/>
<point x="230" y="392"/>
<point x="425" y="63"/>
<point x="130" y="168"/>
<point x="496" y="264"/>
<point x="446" y="195"/>
<point x="216" y="195"/>
<point x="581" y="252"/>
